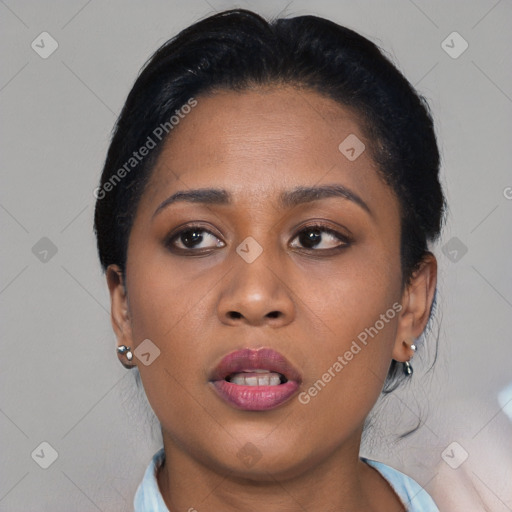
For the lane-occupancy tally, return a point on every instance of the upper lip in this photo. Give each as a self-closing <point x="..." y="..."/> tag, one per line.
<point x="255" y="359"/>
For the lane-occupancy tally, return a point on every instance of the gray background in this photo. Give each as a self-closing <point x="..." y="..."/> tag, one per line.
<point x="61" y="382"/>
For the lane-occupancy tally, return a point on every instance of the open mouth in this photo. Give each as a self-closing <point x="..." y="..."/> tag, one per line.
<point x="255" y="380"/>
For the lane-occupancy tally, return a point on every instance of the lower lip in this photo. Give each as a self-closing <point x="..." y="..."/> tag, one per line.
<point x="255" y="398"/>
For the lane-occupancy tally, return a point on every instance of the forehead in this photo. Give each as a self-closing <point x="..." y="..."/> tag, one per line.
<point x="261" y="141"/>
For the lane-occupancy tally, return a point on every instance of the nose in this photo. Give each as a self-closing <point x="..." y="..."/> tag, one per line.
<point x="256" y="293"/>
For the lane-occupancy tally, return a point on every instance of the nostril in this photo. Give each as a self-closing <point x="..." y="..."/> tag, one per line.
<point x="234" y="314"/>
<point x="273" y="314"/>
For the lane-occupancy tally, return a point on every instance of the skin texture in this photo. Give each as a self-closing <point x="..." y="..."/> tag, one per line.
<point x="309" y="305"/>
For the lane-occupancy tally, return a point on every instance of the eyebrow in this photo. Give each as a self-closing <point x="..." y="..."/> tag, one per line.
<point x="287" y="199"/>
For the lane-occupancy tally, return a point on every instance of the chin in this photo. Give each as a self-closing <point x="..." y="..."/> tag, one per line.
<point x="267" y="462"/>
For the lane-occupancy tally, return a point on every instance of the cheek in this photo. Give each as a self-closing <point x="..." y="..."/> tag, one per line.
<point x="163" y="295"/>
<point x="164" y="305"/>
<point x="347" y="370"/>
<point x="356" y="312"/>
<point x="165" y="312"/>
<point x="350" y="292"/>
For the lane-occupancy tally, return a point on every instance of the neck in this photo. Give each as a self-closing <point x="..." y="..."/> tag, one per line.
<point x="339" y="482"/>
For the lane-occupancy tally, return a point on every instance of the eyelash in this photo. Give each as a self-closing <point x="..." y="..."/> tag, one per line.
<point x="346" y="240"/>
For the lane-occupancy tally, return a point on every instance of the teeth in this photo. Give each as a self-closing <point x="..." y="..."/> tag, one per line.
<point x="256" y="378"/>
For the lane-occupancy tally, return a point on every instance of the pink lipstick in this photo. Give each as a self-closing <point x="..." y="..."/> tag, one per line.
<point x="255" y="380"/>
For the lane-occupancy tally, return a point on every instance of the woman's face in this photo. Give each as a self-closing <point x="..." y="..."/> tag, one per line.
<point x="251" y="270"/>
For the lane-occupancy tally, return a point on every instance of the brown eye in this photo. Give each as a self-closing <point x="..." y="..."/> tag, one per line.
<point x="194" y="238"/>
<point x="320" y="238"/>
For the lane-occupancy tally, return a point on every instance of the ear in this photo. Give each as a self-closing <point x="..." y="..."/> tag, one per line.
<point x="119" y="311"/>
<point x="416" y="303"/>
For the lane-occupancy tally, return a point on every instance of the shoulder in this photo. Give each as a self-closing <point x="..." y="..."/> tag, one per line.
<point x="413" y="496"/>
<point x="148" y="497"/>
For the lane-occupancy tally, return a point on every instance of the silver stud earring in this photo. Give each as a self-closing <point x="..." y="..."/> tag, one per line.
<point x="407" y="365"/>
<point x="123" y="349"/>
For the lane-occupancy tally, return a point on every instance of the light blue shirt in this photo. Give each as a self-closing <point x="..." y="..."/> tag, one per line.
<point x="413" y="496"/>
